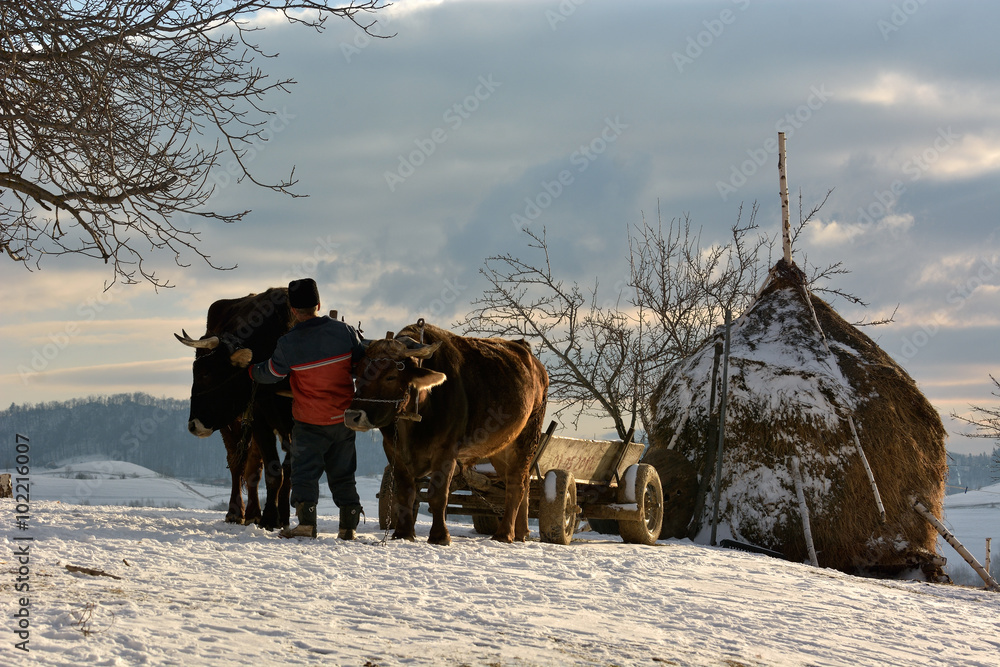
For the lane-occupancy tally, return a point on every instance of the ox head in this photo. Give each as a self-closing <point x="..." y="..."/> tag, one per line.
<point x="385" y="375"/>
<point x="221" y="388"/>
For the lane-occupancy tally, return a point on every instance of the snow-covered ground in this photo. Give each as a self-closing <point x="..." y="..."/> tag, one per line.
<point x="193" y="590"/>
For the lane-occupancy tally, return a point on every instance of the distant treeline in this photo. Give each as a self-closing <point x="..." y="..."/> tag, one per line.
<point x="137" y="428"/>
<point x="972" y="471"/>
<point x="152" y="432"/>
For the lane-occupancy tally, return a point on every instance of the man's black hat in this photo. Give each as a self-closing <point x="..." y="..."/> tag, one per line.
<point x="303" y="293"/>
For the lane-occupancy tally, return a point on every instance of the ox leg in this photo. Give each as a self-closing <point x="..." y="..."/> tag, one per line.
<point x="437" y="501"/>
<point x="406" y="494"/>
<point x="514" y="525"/>
<point x="273" y="477"/>
<point x="285" y="490"/>
<point x="230" y="437"/>
<point x="251" y="477"/>
<point x="515" y="504"/>
<point x="521" y="529"/>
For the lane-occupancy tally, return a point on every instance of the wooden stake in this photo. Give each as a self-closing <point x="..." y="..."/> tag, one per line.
<point x="803" y="510"/>
<point x="991" y="583"/>
<point x="868" y="470"/>
<point x="722" y="429"/>
<point x="987" y="564"/>
<point x="786" y="228"/>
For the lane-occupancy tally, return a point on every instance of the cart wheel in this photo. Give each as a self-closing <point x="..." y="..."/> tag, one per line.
<point x="557" y="509"/>
<point x="485" y="524"/>
<point x="386" y="517"/>
<point x="641" y="485"/>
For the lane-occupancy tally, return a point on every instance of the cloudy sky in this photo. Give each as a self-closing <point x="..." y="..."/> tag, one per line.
<point x="420" y="154"/>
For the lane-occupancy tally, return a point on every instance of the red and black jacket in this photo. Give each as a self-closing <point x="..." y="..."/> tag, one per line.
<point x="319" y="354"/>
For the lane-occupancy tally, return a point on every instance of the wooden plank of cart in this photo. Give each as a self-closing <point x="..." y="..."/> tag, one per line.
<point x="571" y="479"/>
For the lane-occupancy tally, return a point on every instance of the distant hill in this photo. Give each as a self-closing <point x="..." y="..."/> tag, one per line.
<point x="136" y="428"/>
<point x="152" y="432"/>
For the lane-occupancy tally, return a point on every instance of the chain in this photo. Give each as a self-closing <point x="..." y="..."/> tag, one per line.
<point x="499" y="511"/>
<point x="391" y="489"/>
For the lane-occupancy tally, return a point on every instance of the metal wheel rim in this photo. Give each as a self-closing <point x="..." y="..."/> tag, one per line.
<point x="653" y="510"/>
<point x="569" y="522"/>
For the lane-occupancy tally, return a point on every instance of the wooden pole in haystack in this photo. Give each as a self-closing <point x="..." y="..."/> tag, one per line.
<point x="991" y="583"/>
<point x="722" y="428"/>
<point x="803" y="510"/>
<point x="786" y="235"/>
<point x="786" y="225"/>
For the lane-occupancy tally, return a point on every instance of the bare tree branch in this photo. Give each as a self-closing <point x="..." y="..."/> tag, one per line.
<point x="987" y="424"/>
<point x="114" y="112"/>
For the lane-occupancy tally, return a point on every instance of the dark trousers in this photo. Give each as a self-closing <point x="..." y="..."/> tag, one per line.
<point x="316" y="449"/>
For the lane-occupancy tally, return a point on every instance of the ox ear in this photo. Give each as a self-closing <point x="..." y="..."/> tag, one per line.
<point x="241" y="357"/>
<point x="425" y="378"/>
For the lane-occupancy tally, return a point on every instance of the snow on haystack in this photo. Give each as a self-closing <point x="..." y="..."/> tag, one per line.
<point x="790" y="395"/>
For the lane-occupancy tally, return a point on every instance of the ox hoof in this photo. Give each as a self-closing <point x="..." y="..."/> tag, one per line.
<point x="443" y="541"/>
<point x="234" y="518"/>
<point x="408" y="538"/>
<point x="506" y="539"/>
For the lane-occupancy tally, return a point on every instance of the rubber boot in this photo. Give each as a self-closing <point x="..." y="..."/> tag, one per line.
<point x="349" y="518"/>
<point x="306" y="513"/>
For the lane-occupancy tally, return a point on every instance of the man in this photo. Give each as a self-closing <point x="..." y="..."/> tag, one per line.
<point x="319" y="353"/>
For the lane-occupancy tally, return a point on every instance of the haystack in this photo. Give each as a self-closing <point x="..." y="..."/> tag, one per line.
<point x="790" y="394"/>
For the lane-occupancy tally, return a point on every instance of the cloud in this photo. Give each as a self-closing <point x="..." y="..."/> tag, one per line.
<point x="836" y="233"/>
<point x="906" y="137"/>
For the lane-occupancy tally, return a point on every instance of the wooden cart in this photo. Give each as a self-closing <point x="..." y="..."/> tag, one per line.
<point x="571" y="479"/>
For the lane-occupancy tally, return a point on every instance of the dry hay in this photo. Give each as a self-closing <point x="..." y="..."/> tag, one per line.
<point x="789" y="396"/>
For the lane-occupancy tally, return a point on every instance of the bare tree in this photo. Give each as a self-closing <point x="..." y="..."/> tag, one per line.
<point x="685" y="287"/>
<point x="589" y="350"/>
<point x="987" y="424"/>
<point x="114" y="112"/>
<point x="605" y="357"/>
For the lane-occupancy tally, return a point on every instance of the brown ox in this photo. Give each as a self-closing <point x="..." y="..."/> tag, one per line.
<point x="488" y="401"/>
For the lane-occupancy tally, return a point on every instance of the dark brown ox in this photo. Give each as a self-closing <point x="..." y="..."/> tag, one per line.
<point x="245" y="465"/>
<point x="240" y="332"/>
<point x="488" y="401"/>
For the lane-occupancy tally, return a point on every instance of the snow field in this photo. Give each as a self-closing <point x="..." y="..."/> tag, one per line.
<point x="195" y="590"/>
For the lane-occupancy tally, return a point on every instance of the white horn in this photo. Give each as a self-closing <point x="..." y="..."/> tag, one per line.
<point x="209" y="343"/>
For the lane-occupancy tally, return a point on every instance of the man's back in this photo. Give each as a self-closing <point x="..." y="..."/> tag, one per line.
<point x="319" y="354"/>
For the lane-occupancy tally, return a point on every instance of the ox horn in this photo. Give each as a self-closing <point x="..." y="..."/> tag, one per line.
<point x="416" y="349"/>
<point x="209" y="343"/>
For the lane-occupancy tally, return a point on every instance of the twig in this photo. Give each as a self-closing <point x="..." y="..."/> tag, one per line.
<point x="91" y="572"/>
